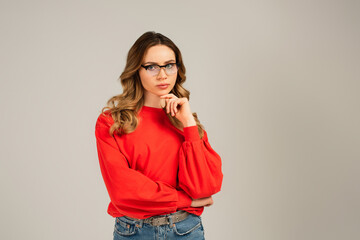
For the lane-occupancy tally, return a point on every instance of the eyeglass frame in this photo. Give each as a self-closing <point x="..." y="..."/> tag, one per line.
<point x="160" y="66"/>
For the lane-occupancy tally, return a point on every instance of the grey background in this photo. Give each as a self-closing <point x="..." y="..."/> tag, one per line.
<point x="275" y="83"/>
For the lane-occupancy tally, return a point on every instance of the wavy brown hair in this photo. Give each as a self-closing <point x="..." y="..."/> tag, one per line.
<point x="124" y="107"/>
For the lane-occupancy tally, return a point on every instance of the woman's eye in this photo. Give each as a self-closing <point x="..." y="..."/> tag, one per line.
<point x="151" y="67"/>
<point x="170" y="65"/>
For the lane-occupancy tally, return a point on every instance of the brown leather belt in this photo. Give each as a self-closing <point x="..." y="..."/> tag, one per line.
<point x="164" y="219"/>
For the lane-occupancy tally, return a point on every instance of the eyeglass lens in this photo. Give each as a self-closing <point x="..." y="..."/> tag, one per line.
<point x="170" y="69"/>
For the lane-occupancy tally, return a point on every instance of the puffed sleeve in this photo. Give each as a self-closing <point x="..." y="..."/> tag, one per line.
<point x="130" y="190"/>
<point x="200" y="173"/>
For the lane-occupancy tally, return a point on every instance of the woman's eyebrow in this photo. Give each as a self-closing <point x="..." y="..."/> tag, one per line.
<point x="165" y="62"/>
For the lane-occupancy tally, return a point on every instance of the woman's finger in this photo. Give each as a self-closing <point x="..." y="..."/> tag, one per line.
<point x="168" y="95"/>
<point x="170" y="99"/>
<point x="176" y="104"/>
<point x="167" y="105"/>
<point x="173" y="107"/>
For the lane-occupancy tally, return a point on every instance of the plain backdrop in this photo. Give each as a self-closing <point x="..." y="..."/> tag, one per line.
<point x="275" y="83"/>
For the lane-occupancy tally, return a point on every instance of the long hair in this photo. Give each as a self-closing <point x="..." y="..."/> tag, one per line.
<point x="124" y="107"/>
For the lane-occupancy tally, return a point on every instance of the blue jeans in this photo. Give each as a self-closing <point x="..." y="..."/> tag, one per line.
<point x="189" y="228"/>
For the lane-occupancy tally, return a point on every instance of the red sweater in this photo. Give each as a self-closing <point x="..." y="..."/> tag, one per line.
<point x="157" y="169"/>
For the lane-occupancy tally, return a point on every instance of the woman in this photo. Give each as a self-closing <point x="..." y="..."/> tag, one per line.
<point x="155" y="158"/>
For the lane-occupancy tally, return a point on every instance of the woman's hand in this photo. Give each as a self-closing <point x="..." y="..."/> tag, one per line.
<point x="180" y="108"/>
<point x="206" y="202"/>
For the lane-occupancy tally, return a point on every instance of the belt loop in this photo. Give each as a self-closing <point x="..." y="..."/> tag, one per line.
<point x="170" y="221"/>
<point x="141" y="222"/>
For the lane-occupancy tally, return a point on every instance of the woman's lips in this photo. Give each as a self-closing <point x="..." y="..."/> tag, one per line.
<point x="163" y="86"/>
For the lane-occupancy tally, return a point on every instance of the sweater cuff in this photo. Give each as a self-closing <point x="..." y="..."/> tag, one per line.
<point x="184" y="200"/>
<point x="191" y="133"/>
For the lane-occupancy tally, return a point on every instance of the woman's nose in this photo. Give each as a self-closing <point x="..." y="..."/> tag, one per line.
<point x="162" y="73"/>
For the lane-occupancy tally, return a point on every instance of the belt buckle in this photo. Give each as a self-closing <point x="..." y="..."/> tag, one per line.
<point x="152" y="219"/>
<point x="168" y="219"/>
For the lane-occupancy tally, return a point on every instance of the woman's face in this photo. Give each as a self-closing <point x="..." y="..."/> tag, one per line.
<point x="160" y="55"/>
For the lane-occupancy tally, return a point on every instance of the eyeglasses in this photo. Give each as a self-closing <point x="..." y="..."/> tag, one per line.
<point x="154" y="69"/>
